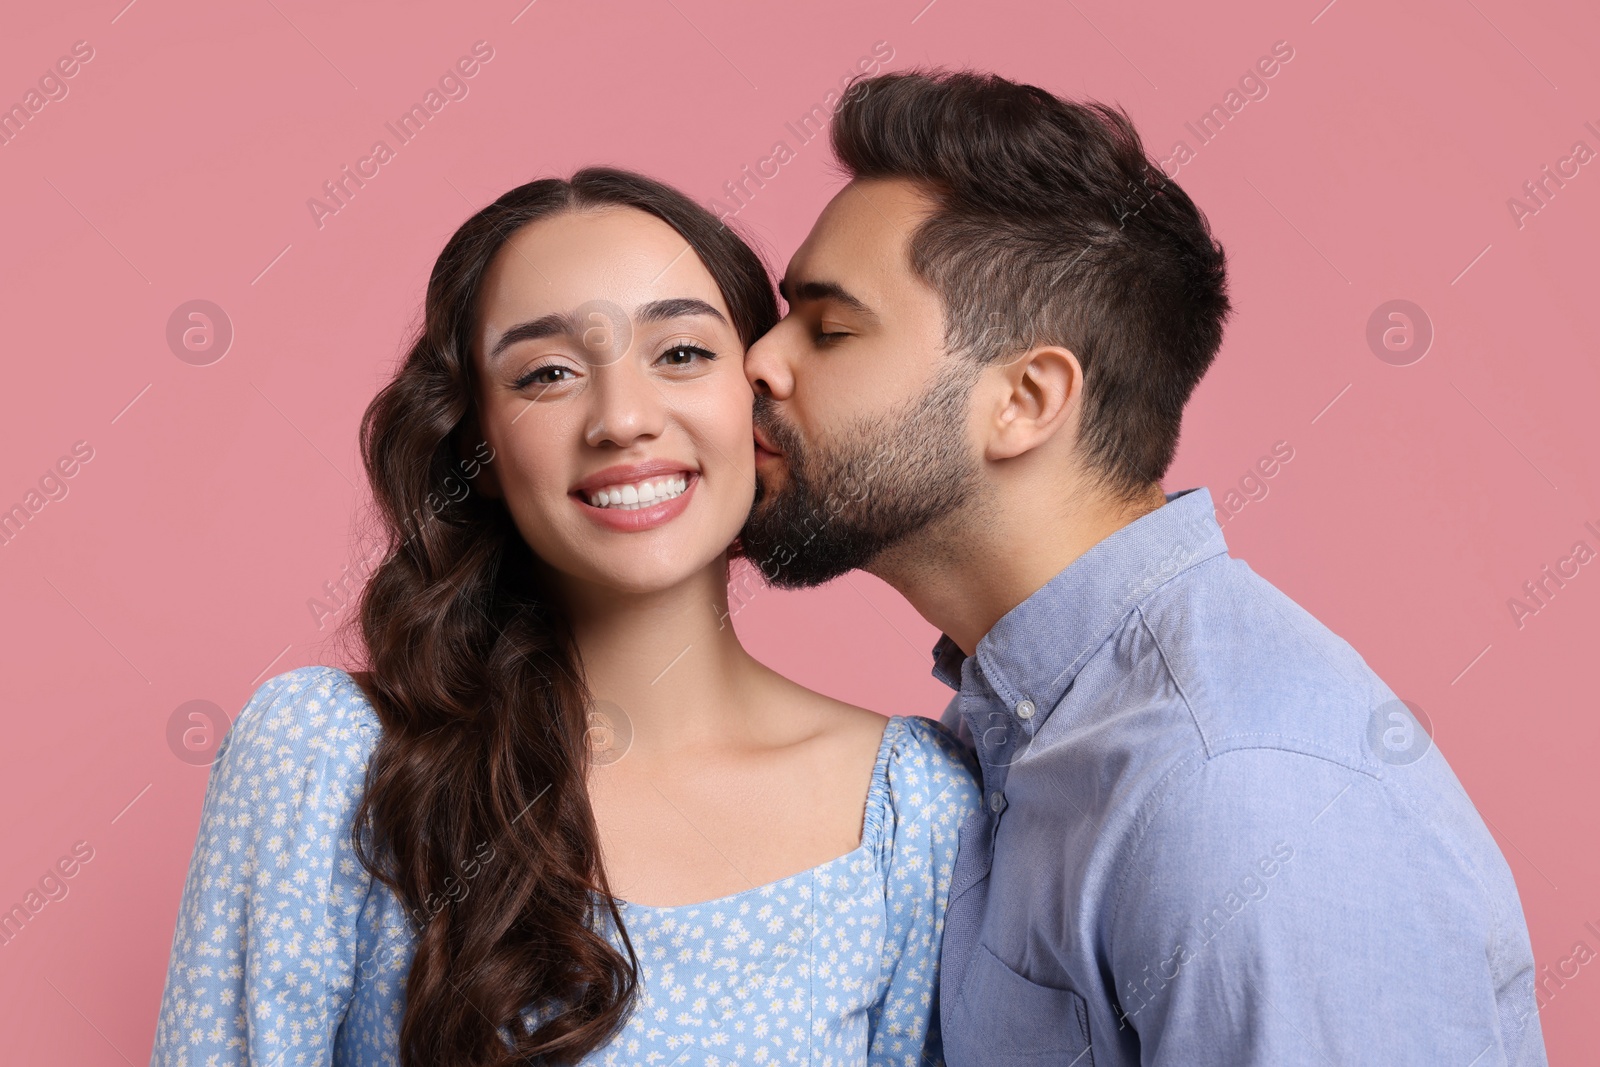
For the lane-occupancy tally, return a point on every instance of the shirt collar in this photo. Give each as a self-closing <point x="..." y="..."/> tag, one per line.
<point x="1037" y="648"/>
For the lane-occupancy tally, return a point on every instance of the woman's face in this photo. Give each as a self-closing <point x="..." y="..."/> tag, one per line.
<point x="612" y="390"/>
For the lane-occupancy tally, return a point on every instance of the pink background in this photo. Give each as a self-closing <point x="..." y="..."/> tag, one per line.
<point x="219" y="498"/>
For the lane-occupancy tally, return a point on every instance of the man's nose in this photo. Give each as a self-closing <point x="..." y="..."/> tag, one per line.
<point x="766" y="364"/>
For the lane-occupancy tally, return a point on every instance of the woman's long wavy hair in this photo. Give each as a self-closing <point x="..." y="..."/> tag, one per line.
<point x="476" y="810"/>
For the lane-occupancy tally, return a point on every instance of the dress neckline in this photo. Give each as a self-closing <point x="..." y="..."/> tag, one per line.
<point x="871" y="836"/>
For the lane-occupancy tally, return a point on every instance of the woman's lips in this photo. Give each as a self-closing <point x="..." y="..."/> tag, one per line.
<point x="623" y="473"/>
<point x="635" y="519"/>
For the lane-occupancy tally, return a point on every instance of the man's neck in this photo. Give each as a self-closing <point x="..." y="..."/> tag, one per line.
<point x="964" y="576"/>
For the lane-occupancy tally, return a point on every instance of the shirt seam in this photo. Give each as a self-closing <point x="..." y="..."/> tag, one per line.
<point x="874" y="816"/>
<point x="932" y="738"/>
<point x="992" y="674"/>
<point x="1172" y="676"/>
<point x="1168" y="786"/>
<point x="1299" y="746"/>
<point x="922" y="731"/>
<point x="298" y="685"/>
<point x="1217" y="747"/>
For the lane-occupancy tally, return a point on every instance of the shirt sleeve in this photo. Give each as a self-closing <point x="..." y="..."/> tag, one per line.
<point x="932" y="790"/>
<point x="1284" y="909"/>
<point x="263" y="953"/>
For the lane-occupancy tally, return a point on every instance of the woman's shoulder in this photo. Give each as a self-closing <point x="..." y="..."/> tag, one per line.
<point x="315" y="713"/>
<point x="927" y="780"/>
<point x="923" y="752"/>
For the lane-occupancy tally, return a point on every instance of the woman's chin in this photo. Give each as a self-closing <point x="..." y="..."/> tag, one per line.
<point x="646" y="564"/>
<point x="650" y="577"/>
<point x="638" y="551"/>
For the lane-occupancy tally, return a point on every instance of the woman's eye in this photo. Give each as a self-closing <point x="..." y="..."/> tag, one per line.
<point x="826" y="337"/>
<point x="548" y="375"/>
<point x="684" y="355"/>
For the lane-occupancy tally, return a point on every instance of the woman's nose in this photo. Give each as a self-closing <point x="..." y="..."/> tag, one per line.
<point x="625" y="405"/>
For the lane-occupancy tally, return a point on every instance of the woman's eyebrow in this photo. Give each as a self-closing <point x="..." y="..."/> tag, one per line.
<point x="558" y="324"/>
<point x="677" y="308"/>
<point x="553" y="325"/>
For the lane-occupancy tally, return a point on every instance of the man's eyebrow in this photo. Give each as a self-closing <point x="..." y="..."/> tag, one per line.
<point x="559" y="324"/>
<point x="824" y="291"/>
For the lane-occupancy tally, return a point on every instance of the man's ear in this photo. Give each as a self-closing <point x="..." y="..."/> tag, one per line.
<point x="1039" y="395"/>
<point x="478" y="457"/>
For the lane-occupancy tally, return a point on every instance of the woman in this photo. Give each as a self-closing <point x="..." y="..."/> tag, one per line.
<point x="564" y="817"/>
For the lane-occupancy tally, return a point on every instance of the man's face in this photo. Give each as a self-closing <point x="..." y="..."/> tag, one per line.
<point x="861" y="417"/>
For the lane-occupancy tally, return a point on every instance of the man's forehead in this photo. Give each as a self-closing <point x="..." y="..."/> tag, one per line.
<point x="866" y="227"/>
<point x="896" y="201"/>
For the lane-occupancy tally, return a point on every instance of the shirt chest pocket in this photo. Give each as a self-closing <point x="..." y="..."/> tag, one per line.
<point x="1005" y="1020"/>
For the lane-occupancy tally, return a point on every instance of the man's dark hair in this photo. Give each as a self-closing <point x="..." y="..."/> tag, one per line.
<point x="1052" y="227"/>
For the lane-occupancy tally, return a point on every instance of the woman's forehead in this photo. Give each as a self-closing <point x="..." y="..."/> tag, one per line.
<point x="621" y="255"/>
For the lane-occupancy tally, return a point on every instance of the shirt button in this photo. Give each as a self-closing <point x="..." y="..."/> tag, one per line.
<point x="1025" y="709"/>
<point x="997" y="801"/>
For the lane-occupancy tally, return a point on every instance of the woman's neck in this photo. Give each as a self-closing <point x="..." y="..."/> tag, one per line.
<point x="669" y="659"/>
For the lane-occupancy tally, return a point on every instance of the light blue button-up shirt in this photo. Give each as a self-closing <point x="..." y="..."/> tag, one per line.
<point x="1212" y="835"/>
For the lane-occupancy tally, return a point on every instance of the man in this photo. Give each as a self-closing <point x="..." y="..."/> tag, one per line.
<point x="1212" y="835"/>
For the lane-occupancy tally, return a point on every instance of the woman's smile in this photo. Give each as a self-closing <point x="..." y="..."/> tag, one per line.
<point x="633" y="497"/>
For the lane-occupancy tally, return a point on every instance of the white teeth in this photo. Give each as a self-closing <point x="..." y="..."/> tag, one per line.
<point x="639" y="494"/>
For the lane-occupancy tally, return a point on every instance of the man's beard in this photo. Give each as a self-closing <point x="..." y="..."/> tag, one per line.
<point x="879" y="483"/>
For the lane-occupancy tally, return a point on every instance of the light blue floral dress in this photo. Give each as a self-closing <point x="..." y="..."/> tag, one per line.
<point x="288" y="954"/>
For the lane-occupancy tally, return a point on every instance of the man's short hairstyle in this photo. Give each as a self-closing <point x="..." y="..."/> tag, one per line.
<point x="1052" y="226"/>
